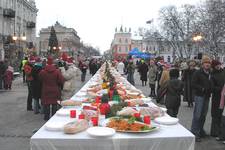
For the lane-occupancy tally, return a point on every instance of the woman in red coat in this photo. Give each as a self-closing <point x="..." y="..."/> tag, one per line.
<point x="52" y="83"/>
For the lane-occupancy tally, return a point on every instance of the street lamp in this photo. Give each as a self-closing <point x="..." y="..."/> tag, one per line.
<point x="197" y="39"/>
<point x="19" y="39"/>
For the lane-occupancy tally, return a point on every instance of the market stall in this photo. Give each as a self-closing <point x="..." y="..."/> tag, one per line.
<point x="157" y="130"/>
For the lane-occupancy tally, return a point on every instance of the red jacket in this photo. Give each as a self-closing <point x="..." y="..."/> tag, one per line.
<point x="52" y="82"/>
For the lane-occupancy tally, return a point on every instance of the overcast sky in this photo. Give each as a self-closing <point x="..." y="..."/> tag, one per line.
<point x="95" y="20"/>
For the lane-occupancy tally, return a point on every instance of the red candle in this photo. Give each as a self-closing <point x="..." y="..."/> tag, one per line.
<point x="137" y="115"/>
<point x="97" y="99"/>
<point x="81" y="116"/>
<point x="147" y="119"/>
<point x="72" y="113"/>
<point x="111" y="94"/>
<point x="94" y="121"/>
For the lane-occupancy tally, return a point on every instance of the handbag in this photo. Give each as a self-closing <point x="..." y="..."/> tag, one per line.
<point x="162" y="92"/>
<point x="67" y="86"/>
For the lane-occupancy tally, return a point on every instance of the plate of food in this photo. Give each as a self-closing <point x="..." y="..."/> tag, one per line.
<point x="129" y="125"/>
<point x="101" y="131"/>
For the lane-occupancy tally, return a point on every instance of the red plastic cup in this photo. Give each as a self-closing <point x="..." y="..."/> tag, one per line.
<point x="72" y="113"/>
<point x="147" y="119"/>
<point x="81" y="116"/>
<point x="137" y="115"/>
<point x="97" y="99"/>
<point x="94" y="121"/>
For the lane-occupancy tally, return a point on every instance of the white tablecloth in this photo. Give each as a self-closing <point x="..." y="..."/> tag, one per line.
<point x="171" y="137"/>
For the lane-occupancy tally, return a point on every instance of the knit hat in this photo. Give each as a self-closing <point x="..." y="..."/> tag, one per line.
<point x="50" y="60"/>
<point x="206" y="59"/>
<point x="32" y="59"/>
<point x="69" y="61"/>
<point x="64" y="56"/>
<point x="37" y="59"/>
<point x="215" y="63"/>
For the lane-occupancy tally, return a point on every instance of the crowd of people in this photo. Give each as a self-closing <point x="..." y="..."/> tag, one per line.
<point x="193" y="81"/>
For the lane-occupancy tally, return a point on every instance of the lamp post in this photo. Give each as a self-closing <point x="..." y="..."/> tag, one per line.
<point x="19" y="38"/>
<point x="197" y="39"/>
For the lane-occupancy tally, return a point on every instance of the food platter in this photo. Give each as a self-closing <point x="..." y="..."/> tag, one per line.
<point x="144" y="131"/>
<point x="150" y="127"/>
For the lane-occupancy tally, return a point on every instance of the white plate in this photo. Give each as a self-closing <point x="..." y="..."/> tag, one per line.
<point x="54" y="126"/>
<point x="147" y="99"/>
<point x="81" y="94"/>
<point x="101" y="131"/>
<point x="163" y="109"/>
<point x="66" y="112"/>
<point x="166" y="120"/>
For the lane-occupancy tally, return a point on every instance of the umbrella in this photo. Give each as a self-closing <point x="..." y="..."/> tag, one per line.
<point x="135" y="52"/>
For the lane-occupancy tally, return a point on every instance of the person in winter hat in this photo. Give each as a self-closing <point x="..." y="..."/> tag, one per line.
<point x="52" y="83"/>
<point x="8" y="78"/>
<point x="186" y="78"/>
<point x="36" y="85"/>
<point x="173" y="93"/>
<point x="202" y="86"/>
<point x="218" y="80"/>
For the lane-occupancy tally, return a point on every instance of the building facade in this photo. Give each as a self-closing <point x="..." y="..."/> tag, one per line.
<point x="68" y="40"/>
<point x="17" y="28"/>
<point x="121" y="43"/>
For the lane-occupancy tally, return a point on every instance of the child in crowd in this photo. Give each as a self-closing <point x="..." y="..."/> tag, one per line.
<point x="8" y="77"/>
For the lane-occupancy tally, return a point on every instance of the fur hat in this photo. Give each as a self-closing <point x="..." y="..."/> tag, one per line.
<point x="192" y="63"/>
<point x="50" y="60"/>
<point x="206" y="59"/>
<point x="215" y="63"/>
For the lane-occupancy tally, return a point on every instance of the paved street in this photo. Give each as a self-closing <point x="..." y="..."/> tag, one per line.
<point x="17" y="125"/>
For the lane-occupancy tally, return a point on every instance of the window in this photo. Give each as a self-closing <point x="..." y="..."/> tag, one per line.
<point x="126" y="40"/>
<point x="146" y="48"/>
<point x="119" y="49"/>
<point x="168" y="59"/>
<point x="120" y="40"/>
<point x="126" y="49"/>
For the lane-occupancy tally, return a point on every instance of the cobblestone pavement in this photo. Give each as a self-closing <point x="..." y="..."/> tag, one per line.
<point x="17" y="125"/>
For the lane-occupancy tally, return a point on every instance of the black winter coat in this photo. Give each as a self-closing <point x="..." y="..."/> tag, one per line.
<point x="218" y="79"/>
<point x="201" y="83"/>
<point x="143" y="70"/>
<point x="36" y="83"/>
<point x="173" y="94"/>
<point x="186" y="78"/>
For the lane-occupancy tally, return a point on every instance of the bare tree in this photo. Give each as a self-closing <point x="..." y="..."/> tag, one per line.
<point x="177" y="26"/>
<point x="211" y="17"/>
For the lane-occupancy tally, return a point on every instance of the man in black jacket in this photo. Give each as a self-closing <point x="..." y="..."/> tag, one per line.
<point x="202" y="90"/>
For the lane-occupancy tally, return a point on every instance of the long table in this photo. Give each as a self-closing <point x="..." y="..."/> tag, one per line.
<point x="167" y="137"/>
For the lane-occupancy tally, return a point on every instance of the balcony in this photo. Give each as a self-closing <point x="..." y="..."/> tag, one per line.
<point x="9" y="13"/>
<point x="31" y="24"/>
